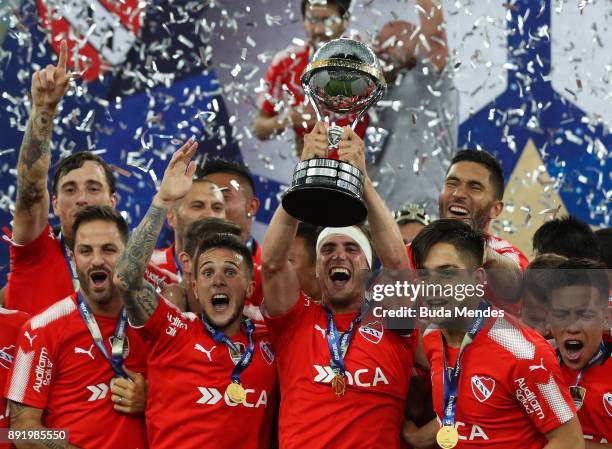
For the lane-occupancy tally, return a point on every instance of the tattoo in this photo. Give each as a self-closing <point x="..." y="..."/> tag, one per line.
<point x="139" y="298"/>
<point x="37" y="139"/>
<point x="29" y="193"/>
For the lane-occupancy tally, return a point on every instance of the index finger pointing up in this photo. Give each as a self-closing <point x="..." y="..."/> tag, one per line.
<point x="63" y="57"/>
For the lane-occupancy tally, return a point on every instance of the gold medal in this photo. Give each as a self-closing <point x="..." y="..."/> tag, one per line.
<point x="338" y="385"/>
<point x="236" y="393"/>
<point x="447" y="437"/>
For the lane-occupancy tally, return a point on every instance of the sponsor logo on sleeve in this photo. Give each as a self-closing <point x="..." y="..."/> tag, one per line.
<point x="528" y="398"/>
<point x="43" y="371"/>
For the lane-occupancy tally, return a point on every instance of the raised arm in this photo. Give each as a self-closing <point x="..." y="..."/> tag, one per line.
<point x="26" y="418"/>
<point x="32" y="205"/>
<point x="386" y="237"/>
<point x="281" y="286"/>
<point x="433" y="43"/>
<point x="139" y="297"/>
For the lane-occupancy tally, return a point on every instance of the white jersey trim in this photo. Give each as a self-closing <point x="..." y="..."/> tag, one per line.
<point x="58" y="310"/>
<point x="512" y="339"/>
<point x="21" y="375"/>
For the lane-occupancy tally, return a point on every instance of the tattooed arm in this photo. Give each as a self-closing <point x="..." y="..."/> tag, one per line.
<point x="29" y="418"/>
<point x="138" y="296"/>
<point x="32" y="205"/>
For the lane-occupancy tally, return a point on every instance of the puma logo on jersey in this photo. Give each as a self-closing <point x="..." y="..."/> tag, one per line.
<point x="537" y="367"/>
<point x="78" y="350"/>
<point x="199" y="347"/>
<point x="320" y="329"/>
<point x="26" y="334"/>
<point x="360" y="378"/>
<point x="212" y="396"/>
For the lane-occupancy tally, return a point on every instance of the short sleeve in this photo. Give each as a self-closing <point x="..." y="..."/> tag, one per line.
<point x="280" y="326"/>
<point x="540" y="389"/>
<point x="167" y="325"/>
<point x="34" y="369"/>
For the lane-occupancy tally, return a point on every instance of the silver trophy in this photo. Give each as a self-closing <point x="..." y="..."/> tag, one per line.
<point x="343" y="78"/>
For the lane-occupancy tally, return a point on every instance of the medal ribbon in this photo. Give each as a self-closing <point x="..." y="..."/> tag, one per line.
<point x="451" y="379"/>
<point x="70" y="263"/>
<point x="338" y="345"/>
<point x="597" y="358"/>
<point x="220" y="337"/>
<point x="116" y="357"/>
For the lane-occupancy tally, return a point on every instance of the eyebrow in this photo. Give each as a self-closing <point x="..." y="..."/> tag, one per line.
<point x="208" y="262"/>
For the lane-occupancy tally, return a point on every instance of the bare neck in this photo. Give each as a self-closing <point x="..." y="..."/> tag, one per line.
<point x="110" y="309"/>
<point x="351" y="307"/>
<point x="233" y="328"/>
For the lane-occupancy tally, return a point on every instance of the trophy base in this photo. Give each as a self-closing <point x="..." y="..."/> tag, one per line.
<point x="326" y="192"/>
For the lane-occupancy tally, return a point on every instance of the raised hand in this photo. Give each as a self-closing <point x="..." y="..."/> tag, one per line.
<point x="351" y="149"/>
<point x="51" y="83"/>
<point x="315" y="142"/>
<point x="178" y="176"/>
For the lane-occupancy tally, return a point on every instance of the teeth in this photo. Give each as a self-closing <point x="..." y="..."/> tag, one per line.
<point x="339" y="270"/>
<point x="458" y="210"/>
<point x="220" y="296"/>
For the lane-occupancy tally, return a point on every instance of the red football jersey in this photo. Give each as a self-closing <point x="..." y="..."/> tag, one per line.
<point x="595" y="409"/>
<point x="504" y="248"/>
<point x="284" y="88"/>
<point x="10" y="324"/>
<point x="510" y="387"/>
<point x="378" y="369"/>
<point x="188" y="373"/>
<point x="59" y="369"/>
<point x="39" y="274"/>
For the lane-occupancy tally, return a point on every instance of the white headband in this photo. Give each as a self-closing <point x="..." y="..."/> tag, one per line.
<point x="350" y="231"/>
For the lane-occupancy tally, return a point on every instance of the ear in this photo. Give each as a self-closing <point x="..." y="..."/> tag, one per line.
<point x="171" y="218"/>
<point x="480" y="276"/>
<point x="113" y="200"/>
<point x="250" y="289"/>
<point x="194" y="288"/>
<point x="496" y="209"/>
<point x="253" y="206"/>
<point x="185" y="262"/>
<point x="54" y="203"/>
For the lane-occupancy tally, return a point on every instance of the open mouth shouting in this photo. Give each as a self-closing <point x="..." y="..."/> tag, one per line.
<point x="99" y="278"/>
<point x="220" y="302"/>
<point x="458" y="211"/>
<point x="340" y="276"/>
<point x="573" y="349"/>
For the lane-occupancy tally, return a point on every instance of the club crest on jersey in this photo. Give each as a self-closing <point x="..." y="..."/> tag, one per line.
<point x="236" y="354"/>
<point x="482" y="387"/>
<point x="607" y="402"/>
<point x="578" y="393"/>
<point x="126" y="345"/>
<point x="373" y="332"/>
<point x="265" y="346"/>
<point x="7" y="355"/>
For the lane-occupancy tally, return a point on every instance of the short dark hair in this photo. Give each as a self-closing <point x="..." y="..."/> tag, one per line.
<point x="309" y="234"/>
<point x="486" y="159"/>
<point x="342" y="5"/>
<point x="77" y="160"/>
<point x="567" y="236"/>
<point x="227" y="241"/>
<point x="539" y="275"/>
<point x="220" y="165"/>
<point x="101" y="213"/>
<point x="201" y="229"/>
<point x="604" y="236"/>
<point x="581" y="271"/>
<point x="467" y="241"/>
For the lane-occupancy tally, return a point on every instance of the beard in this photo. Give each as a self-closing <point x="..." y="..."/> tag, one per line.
<point x="101" y="297"/>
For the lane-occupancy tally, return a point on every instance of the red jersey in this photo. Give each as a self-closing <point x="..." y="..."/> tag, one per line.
<point x="595" y="409"/>
<point x="188" y="373"/>
<point x="510" y="385"/>
<point x="59" y="369"/>
<point x="504" y="248"/>
<point x="10" y="324"/>
<point x="378" y="369"/>
<point x="284" y="88"/>
<point x="39" y="274"/>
